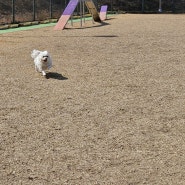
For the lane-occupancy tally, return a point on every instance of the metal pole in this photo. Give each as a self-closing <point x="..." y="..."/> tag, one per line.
<point x="81" y="13"/>
<point x="71" y="18"/>
<point x="84" y="11"/>
<point x="34" y="10"/>
<point x="173" y="6"/>
<point x="65" y="3"/>
<point x="51" y="9"/>
<point x="13" y="11"/>
<point x="143" y="6"/>
<point x="160" y="6"/>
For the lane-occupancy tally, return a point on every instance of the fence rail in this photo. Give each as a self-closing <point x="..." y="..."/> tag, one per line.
<point x="16" y="11"/>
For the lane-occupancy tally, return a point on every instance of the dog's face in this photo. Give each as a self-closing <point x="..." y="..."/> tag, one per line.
<point x="44" y="56"/>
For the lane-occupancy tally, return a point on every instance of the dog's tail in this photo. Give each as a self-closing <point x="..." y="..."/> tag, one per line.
<point x="35" y="53"/>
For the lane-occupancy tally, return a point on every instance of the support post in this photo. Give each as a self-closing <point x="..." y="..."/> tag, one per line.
<point x="34" y="17"/>
<point x="83" y="11"/>
<point x="143" y="6"/>
<point x="81" y="14"/>
<point x="51" y="9"/>
<point x="160" y="6"/>
<point x="13" y="11"/>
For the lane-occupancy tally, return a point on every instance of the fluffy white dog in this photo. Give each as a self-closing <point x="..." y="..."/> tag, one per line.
<point x="42" y="61"/>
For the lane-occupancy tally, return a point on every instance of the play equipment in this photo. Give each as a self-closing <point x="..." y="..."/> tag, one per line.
<point x="103" y="12"/>
<point x="66" y="15"/>
<point x="93" y="11"/>
<point x="70" y="9"/>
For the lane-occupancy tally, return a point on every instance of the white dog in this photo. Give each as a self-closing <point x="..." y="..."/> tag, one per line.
<point x="42" y="61"/>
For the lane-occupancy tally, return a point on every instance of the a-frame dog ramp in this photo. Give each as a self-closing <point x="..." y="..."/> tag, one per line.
<point x="103" y="12"/>
<point x="70" y="9"/>
<point x="66" y="15"/>
<point x="93" y="11"/>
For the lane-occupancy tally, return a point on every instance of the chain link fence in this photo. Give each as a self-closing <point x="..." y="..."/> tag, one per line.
<point x="16" y="11"/>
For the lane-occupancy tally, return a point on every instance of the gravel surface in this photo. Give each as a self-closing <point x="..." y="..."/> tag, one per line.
<point x="110" y="112"/>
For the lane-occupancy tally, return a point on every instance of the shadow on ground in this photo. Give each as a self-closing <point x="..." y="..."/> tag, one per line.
<point x="55" y="76"/>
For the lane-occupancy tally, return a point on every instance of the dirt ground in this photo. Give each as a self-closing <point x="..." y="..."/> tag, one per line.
<point x="111" y="111"/>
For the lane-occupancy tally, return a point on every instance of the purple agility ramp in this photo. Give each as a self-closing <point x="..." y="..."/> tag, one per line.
<point x="103" y="12"/>
<point x="66" y="15"/>
<point x="70" y="9"/>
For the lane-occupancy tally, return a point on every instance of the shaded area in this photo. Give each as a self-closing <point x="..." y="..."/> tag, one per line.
<point x="56" y="76"/>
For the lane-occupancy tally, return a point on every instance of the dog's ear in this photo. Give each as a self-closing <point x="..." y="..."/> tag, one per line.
<point x="45" y="53"/>
<point x="35" y="53"/>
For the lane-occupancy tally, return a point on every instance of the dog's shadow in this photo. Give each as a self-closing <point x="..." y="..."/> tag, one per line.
<point x="54" y="75"/>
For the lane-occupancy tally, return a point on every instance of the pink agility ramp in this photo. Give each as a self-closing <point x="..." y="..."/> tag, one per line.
<point x="103" y="12"/>
<point x="66" y="15"/>
<point x="70" y="9"/>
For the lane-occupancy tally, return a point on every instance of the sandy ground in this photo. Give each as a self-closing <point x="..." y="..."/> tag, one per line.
<point x="111" y="111"/>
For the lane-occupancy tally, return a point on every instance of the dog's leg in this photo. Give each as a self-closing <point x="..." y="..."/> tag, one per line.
<point x="36" y="69"/>
<point x="43" y="73"/>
